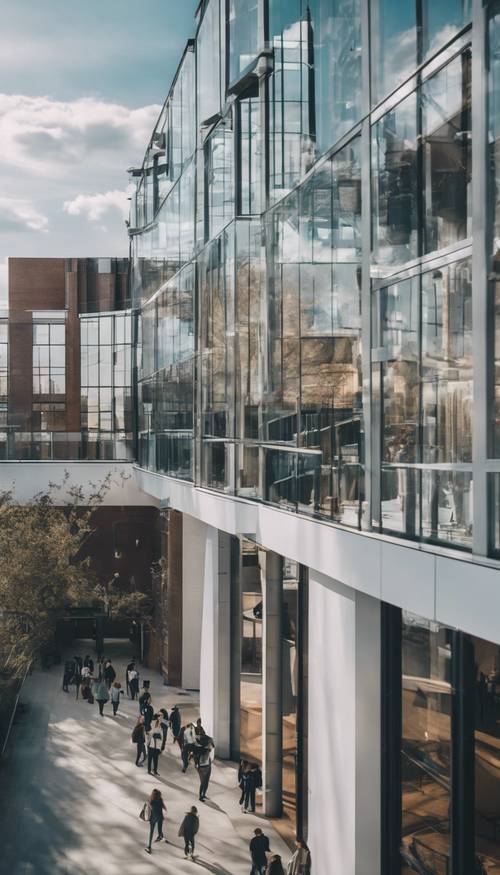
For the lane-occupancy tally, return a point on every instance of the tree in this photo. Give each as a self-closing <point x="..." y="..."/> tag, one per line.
<point x="41" y="573"/>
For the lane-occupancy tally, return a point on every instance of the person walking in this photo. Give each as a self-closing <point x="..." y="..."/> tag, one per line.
<point x="259" y="849"/>
<point x="144" y="698"/>
<point x="109" y="673"/>
<point x="199" y="731"/>
<point x="252" y="780"/>
<point x="154" y="747"/>
<point x="129" y="668"/>
<point x="154" y="809"/>
<point x="88" y="662"/>
<point x="116" y="692"/>
<point x="188" y="744"/>
<point x="101" y="695"/>
<point x="175" y="723"/>
<point x="77" y="679"/>
<point x="205" y="759"/>
<point x="69" y="670"/>
<point x="243" y="767"/>
<point x="275" y="866"/>
<point x="188" y="829"/>
<point x="133" y="683"/>
<point x="164" y="723"/>
<point x="139" y="739"/>
<point x="301" y="861"/>
<point x="148" y="714"/>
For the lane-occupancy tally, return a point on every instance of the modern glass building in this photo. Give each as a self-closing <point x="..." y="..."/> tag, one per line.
<point x="315" y="379"/>
<point x="314" y="274"/>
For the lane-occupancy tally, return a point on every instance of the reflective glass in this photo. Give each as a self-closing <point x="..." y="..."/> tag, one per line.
<point x="487" y="756"/>
<point x="447" y="145"/>
<point x="494" y="218"/>
<point x="395" y="188"/>
<point x="403" y="35"/>
<point x="243" y="35"/>
<point x="250" y="155"/>
<point x="219" y="177"/>
<point x="426" y="746"/>
<point x="252" y="583"/>
<point x="210" y="64"/>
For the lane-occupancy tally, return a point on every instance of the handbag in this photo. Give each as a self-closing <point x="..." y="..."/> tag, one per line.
<point x="145" y="812"/>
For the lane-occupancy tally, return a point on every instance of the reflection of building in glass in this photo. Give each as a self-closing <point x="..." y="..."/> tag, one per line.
<point x="314" y="344"/>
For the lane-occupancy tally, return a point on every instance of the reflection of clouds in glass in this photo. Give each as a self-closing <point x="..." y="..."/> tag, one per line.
<point x="442" y="37"/>
<point x="400" y="57"/>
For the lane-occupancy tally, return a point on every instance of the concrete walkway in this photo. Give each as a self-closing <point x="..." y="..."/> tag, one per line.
<point x="70" y="793"/>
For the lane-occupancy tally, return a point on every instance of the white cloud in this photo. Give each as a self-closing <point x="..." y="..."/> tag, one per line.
<point x="42" y="135"/>
<point x="17" y="214"/>
<point x="95" y="206"/>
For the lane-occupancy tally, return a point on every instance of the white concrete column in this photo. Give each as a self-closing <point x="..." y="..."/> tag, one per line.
<point x="271" y="685"/>
<point x="193" y="557"/>
<point x="368" y="738"/>
<point x="223" y="649"/>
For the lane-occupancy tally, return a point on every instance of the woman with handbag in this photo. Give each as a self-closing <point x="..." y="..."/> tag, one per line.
<point x="152" y="811"/>
<point x="188" y="829"/>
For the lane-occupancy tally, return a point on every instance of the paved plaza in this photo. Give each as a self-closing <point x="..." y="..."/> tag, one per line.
<point x="71" y="793"/>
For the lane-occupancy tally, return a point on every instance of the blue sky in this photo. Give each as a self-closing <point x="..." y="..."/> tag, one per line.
<point x="81" y="85"/>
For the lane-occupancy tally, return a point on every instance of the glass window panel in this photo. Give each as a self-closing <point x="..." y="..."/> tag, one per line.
<point x="446" y="127"/>
<point x="394" y="175"/>
<point x="487" y="758"/>
<point x="426" y="746"/>
<point x="57" y="334"/>
<point x="41" y="333"/>
<point x="403" y="35"/>
<point x="105" y="330"/>
<point x="209" y="62"/>
<point x="250" y="155"/>
<point x="57" y="356"/>
<point x="447" y="364"/>
<point x="251" y="652"/>
<point x="243" y="35"/>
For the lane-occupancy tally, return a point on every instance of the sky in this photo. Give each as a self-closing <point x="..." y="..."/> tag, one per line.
<point x="81" y="86"/>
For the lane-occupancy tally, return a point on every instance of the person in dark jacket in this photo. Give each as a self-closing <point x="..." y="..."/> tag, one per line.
<point x="188" y="829"/>
<point x="139" y="739"/>
<point x="175" y="723"/>
<point x="156" y="815"/>
<point x="259" y="847"/>
<point x="252" y="780"/>
<point x="148" y="714"/>
<point x="163" y="715"/>
<point x="77" y="679"/>
<point x="243" y="767"/>
<point x="89" y="663"/>
<point x="109" y="674"/>
<point x="69" y="670"/>
<point x="275" y="866"/>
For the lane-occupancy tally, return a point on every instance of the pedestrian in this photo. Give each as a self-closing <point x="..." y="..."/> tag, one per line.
<point x="199" y="729"/>
<point x="188" y="744"/>
<point x="77" y="679"/>
<point x="109" y="673"/>
<point x="188" y="829"/>
<point x="78" y="661"/>
<point x="163" y="714"/>
<point x="154" y="747"/>
<point x="130" y="668"/>
<point x="148" y="714"/>
<point x="153" y="811"/>
<point x="139" y="739"/>
<point x="301" y="861"/>
<point x="101" y="695"/>
<point x="88" y="662"/>
<point x="205" y="759"/>
<point x="243" y="767"/>
<point x="259" y="849"/>
<point x="69" y="670"/>
<point x="116" y="692"/>
<point x="133" y="683"/>
<point x="144" y="698"/>
<point x="252" y="780"/>
<point x="275" y="866"/>
<point x="175" y="723"/>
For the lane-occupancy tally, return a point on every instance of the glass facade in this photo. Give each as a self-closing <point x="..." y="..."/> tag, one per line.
<point x="323" y="209"/>
<point x="443" y="800"/>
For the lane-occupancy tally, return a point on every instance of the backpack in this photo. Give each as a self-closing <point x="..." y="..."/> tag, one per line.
<point x="137" y="734"/>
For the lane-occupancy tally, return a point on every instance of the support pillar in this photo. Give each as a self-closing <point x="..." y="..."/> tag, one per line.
<point x="271" y="685"/>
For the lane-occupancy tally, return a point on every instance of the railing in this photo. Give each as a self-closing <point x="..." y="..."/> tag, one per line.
<point x="14" y="710"/>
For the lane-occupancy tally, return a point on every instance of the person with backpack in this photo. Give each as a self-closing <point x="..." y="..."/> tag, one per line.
<point x="252" y="780"/>
<point x="244" y="766"/>
<point x="259" y="849"/>
<point x="188" y="829"/>
<point x="153" y="811"/>
<point x="205" y="758"/>
<point x="139" y="739"/>
<point x="164" y="723"/>
<point x="154" y="746"/>
<point x="144" y="699"/>
<point x="188" y="744"/>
